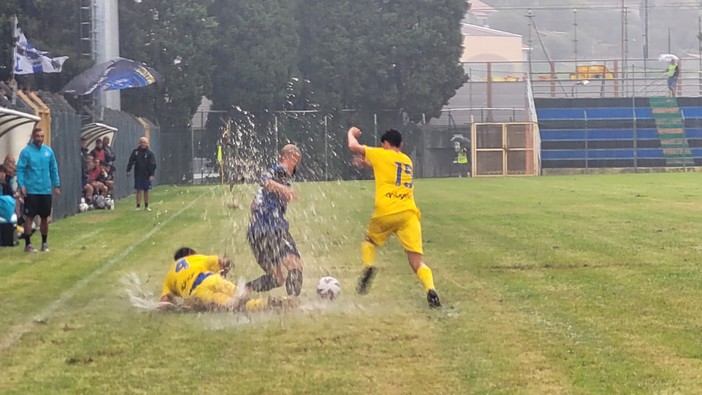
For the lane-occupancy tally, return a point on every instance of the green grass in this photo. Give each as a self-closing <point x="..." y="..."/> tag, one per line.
<point x="551" y="285"/>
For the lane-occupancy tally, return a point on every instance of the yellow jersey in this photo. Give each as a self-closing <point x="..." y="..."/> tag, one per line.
<point x="183" y="273"/>
<point x="393" y="181"/>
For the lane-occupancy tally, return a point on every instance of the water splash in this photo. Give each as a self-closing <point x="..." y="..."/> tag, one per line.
<point x="139" y="296"/>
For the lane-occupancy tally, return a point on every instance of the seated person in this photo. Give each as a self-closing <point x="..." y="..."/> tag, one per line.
<point x="98" y="152"/>
<point x="9" y="187"/>
<point x="106" y="177"/>
<point x="199" y="281"/>
<point x="96" y="186"/>
<point x="8" y="217"/>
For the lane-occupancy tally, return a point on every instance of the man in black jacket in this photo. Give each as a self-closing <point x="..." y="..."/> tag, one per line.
<point x="110" y="156"/>
<point x="143" y="161"/>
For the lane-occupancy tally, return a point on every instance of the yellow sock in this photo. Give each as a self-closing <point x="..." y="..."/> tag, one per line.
<point x="426" y="277"/>
<point x="368" y="253"/>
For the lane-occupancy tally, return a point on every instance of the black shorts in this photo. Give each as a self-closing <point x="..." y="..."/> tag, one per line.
<point x="37" y="205"/>
<point x="270" y="246"/>
<point x="142" y="184"/>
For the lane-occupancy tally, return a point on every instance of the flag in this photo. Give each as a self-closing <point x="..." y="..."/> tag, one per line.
<point x="115" y="74"/>
<point x="29" y="60"/>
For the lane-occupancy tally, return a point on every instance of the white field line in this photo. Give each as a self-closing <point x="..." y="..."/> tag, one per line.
<point x="16" y="332"/>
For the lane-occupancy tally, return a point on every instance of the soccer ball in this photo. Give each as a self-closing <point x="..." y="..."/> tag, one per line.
<point x="83" y="206"/>
<point x="328" y="288"/>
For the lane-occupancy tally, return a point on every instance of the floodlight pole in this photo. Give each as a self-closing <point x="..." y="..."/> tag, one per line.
<point x="529" y="15"/>
<point x="13" y="83"/>
<point x="699" y="51"/>
<point x="645" y="30"/>
<point x="375" y="129"/>
<point x="575" y="39"/>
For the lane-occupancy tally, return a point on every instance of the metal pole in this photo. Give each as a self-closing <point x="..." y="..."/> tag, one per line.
<point x="192" y="153"/>
<point x="275" y="129"/>
<point x="623" y="50"/>
<point x="326" y="145"/>
<point x="633" y="80"/>
<point x="375" y="129"/>
<point x="529" y="15"/>
<point x="636" y="145"/>
<point x="645" y="12"/>
<point x="13" y="83"/>
<point x="682" y="150"/>
<point x="575" y="40"/>
<point x="699" y="52"/>
<point x="13" y="23"/>
<point x="586" y="143"/>
<point x="489" y="91"/>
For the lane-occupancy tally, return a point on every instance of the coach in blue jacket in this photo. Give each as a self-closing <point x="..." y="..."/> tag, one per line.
<point x="37" y="174"/>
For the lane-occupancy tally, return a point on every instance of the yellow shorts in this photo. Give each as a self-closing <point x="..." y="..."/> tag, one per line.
<point x="215" y="291"/>
<point x="404" y="224"/>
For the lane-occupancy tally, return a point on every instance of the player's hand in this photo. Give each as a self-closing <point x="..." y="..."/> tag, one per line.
<point x="355" y="132"/>
<point x="129" y="174"/>
<point x="289" y="195"/>
<point x="57" y="191"/>
<point x="225" y="266"/>
<point x="151" y="178"/>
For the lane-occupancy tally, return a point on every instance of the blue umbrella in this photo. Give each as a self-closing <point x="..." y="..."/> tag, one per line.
<point x="115" y="74"/>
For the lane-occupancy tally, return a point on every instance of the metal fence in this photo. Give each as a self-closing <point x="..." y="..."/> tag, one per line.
<point x="252" y="141"/>
<point x="66" y="126"/>
<point x="65" y="142"/>
<point x="585" y="78"/>
<point x="129" y="130"/>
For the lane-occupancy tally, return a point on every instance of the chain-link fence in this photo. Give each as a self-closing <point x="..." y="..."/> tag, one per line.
<point x="250" y="142"/>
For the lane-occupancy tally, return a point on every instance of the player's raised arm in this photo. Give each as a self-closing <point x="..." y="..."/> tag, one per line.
<point x="354" y="146"/>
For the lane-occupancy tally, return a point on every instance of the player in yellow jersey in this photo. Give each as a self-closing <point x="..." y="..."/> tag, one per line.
<point x="200" y="281"/>
<point x="395" y="210"/>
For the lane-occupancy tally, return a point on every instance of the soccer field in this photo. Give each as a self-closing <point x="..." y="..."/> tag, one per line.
<point x="550" y="285"/>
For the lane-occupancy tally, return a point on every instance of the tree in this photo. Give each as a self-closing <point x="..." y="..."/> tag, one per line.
<point x="176" y="42"/>
<point x="376" y="55"/>
<point x="255" y="55"/>
<point x="49" y="26"/>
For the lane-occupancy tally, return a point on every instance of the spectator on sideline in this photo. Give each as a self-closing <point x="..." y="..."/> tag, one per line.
<point x="106" y="178"/>
<point x="84" y="160"/>
<point x="7" y="227"/>
<point x="37" y="174"/>
<point x="95" y="184"/>
<point x="462" y="163"/>
<point x="143" y="161"/>
<point x="10" y="165"/>
<point x="110" y="156"/>
<point x="98" y="152"/>
<point x="673" y="73"/>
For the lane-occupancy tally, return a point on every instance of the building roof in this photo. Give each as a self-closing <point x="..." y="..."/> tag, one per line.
<point x="93" y="131"/>
<point x="481" y="10"/>
<point x="15" y="131"/>
<point x="474" y="30"/>
<point x="200" y="117"/>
